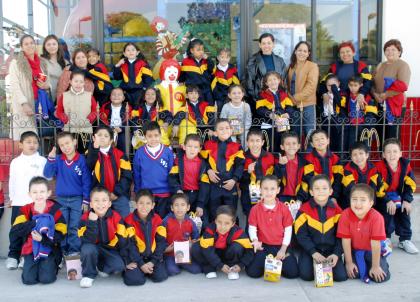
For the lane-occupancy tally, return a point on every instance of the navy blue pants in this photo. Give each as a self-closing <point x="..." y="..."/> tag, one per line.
<point x="399" y="223"/>
<point x="122" y="206"/>
<point x="256" y="268"/>
<point x="382" y="263"/>
<point x="230" y="256"/>
<point x="193" y="198"/>
<point x="162" y="206"/>
<point x="306" y="268"/>
<point x="95" y="256"/>
<point x="43" y="271"/>
<point x="16" y="242"/>
<point x="220" y="196"/>
<point x="137" y="277"/>
<point x="174" y="268"/>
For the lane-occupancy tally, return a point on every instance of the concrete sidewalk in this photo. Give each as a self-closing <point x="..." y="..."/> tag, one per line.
<point x="403" y="286"/>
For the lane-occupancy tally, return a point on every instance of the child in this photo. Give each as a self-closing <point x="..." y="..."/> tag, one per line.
<point x="110" y="169"/>
<point x="152" y="164"/>
<point x="76" y="108"/>
<point x="360" y="170"/>
<point x="179" y="227"/>
<point x="362" y="229"/>
<point x="360" y="116"/>
<point x="226" y="165"/>
<point x="238" y="112"/>
<point x="290" y="170"/>
<point x="223" y="246"/>
<point x="197" y="69"/>
<point x="323" y="161"/>
<point x="104" y="238"/>
<point x="147" y="242"/>
<point x="275" y="108"/>
<point x="134" y="73"/>
<point x="224" y="75"/>
<point x="189" y="176"/>
<point x="196" y="113"/>
<point x="22" y="169"/>
<point x="258" y="163"/>
<point x="41" y="226"/>
<point x="115" y="114"/>
<point x="333" y="113"/>
<point x="99" y="75"/>
<point x="316" y="228"/>
<point x="72" y="186"/>
<point x="270" y="231"/>
<point x="400" y="185"/>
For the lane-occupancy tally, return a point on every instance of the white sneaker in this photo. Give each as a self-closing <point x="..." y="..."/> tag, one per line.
<point x="408" y="246"/>
<point x="233" y="276"/>
<point x="103" y="274"/>
<point x="86" y="282"/>
<point x="211" y="275"/>
<point x="21" y="263"/>
<point x="11" y="263"/>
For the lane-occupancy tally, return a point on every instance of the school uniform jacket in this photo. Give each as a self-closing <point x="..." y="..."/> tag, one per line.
<point x="105" y="113"/>
<point x="267" y="101"/>
<point x="197" y="73"/>
<point x="361" y="69"/>
<point x="406" y="184"/>
<point x="101" y="80"/>
<point x="302" y="188"/>
<point x="366" y="115"/>
<point x="316" y="228"/>
<point x="134" y="76"/>
<point x="264" y="166"/>
<point x="112" y="171"/>
<point x="201" y="114"/>
<point x="23" y="226"/>
<point x="222" y="80"/>
<point x="147" y="240"/>
<point x="144" y="115"/>
<point x="236" y="235"/>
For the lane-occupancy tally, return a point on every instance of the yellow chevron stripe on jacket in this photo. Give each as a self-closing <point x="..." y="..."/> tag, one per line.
<point x="199" y="70"/>
<point x="315" y="224"/>
<point x="226" y="82"/>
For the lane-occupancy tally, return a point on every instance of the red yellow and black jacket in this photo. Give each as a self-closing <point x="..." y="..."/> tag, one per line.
<point x="406" y="184"/>
<point x="316" y="228"/>
<point x="200" y="114"/>
<point x="236" y="235"/>
<point x="23" y="225"/>
<point x="353" y="175"/>
<point x="134" y="76"/>
<point x="226" y="157"/>
<point x="394" y="101"/>
<point x="197" y="73"/>
<point x="367" y="115"/>
<point x="103" y="85"/>
<point x="301" y="192"/>
<point x="176" y="178"/>
<point x="147" y="239"/>
<point x="360" y="69"/>
<point x="267" y="101"/>
<point x="105" y="113"/>
<point x="329" y="165"/>
<point x="222" y="81"/>
<point x="265" y="164"/>
<point x="108" y="231"/>
<point x="144" y="116"/>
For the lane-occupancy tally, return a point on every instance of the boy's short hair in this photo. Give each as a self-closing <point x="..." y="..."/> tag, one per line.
<point x="363" y="188"/>
<point x="75" y="73"/>
<point x="226" y="210"/>
<point x="64" y="134"/>
<point x="317" y="178"/>
<point x="95" y="50"/>
<point x="38" y="180"/>
<point x="270" y="178"/>
<point x="221" y="120"/>
<point x="356" y="79"/>
<point x="288" y="134"/>
<point x="180" y="196"/>
<point x="28" y="134"/>
<point x="391" y="141"/>
<point x="192" y="137"/>
<point x="151" y="126"/>
<point x="318" y="131"/>
<point x="106" y="128"/>
<point x="359" y="146"/>
<point x="256" y="132"/>
<point x="144" y="193"/>
<point x="193" y="88"/>
<point x="99" y="189"/>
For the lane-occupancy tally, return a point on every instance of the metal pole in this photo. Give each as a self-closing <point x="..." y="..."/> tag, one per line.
<point x="30" y="17"/>
<point x="98" y="24"/>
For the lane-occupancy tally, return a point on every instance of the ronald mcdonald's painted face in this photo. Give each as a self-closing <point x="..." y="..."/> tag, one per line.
<point x="171" y="74"/>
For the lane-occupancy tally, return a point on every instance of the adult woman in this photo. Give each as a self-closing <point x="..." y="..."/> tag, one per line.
<point x="259" y="64"/>
<point x="26" y="81"/>
<point x="54" y="58"/>
<point x="80" y="62"/>
<point x="302" y="81"/>
<point x="391" y="80"/>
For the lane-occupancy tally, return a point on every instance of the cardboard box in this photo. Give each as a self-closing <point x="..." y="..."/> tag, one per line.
<point x="182" y="252"/>
<point x="74" y="267"/>
<point x="272" y="269"/>
<point x="323" y="274"/>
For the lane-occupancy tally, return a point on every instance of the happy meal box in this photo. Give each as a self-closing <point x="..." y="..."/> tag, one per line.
<point x="272" y="269"/>
<point x="323" y="274"/>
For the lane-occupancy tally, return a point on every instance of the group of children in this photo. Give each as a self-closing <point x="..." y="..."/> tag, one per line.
<point x="299" y="209"/>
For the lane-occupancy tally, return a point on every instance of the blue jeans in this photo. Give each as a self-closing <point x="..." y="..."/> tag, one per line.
<point x="122" y="206"/>
<point x="71" y="208"/>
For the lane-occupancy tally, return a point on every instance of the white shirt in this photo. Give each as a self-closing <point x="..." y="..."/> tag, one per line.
<point x="329" y="108"/>
<point x="22" y="169"/>
<point x="116" y="116"/>
<point x="223" y="68"/>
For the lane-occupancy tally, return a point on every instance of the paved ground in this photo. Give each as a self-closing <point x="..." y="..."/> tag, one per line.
<point x="403" y="286"/>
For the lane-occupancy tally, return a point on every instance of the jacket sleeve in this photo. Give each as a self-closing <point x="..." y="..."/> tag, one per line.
<point x="409" y="186"/>
<point x="161" y="244"/>
<point x="88" y="231"/>
<point x="367" y="81"/>
<point x="93" y="114"/>
<point x="122" y="187"/>
<point x="136" y="171"/>
<point x="209" y="252"/>
<point x="173" y="179"/>
<point x="338" y="177"/>
<point x="302" y="234"/>
<point x="60" y="111"/>
<point x="204" y="191"/>
<point x="250" y="77"/>
<point x="116" y="73"/>
<point x="22" y="227"/>
<point x="86" y="181"/>
<point x="132" y="253"/>
<point x="248" y="254"/>
<point x="92" y="157"/>
<point x="50" y="169"/>
<point x="238" y="167"/>
<point x="310" y="86"/>
<point x="15" y="84"/>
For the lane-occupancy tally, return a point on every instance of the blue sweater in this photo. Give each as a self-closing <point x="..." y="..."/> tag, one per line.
<point x="72" y="178"/>
<point x="151" y="172"/>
